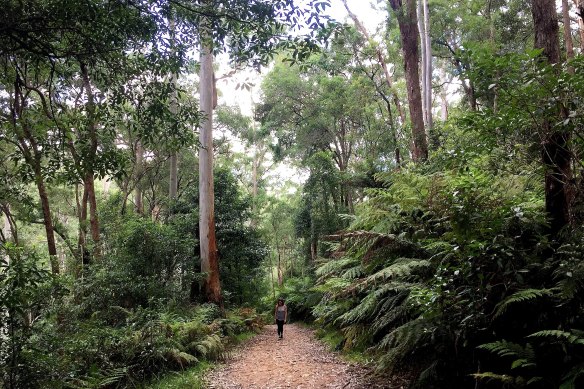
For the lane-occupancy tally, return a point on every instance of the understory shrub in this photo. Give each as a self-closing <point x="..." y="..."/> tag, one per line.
<point x="449" y="272"/>
<point x="79" y="353"/>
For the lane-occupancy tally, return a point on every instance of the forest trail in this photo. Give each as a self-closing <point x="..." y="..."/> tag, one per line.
<point x="297" y="361"/>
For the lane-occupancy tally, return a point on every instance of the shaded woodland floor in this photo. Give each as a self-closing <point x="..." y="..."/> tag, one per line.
<point x="297" y="361"/>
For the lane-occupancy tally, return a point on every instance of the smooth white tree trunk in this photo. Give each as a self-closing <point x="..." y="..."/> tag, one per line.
<point x="428" y="63"/>
<point x="207" y="240"/>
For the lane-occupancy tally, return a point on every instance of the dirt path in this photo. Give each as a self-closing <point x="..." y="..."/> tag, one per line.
<point x="297" y="361"/>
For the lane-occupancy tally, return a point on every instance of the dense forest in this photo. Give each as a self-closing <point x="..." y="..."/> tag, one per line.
<point x="437" y="231"/>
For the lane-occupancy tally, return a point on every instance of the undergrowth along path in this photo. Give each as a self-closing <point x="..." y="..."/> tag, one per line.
<point x="297" y="361"/>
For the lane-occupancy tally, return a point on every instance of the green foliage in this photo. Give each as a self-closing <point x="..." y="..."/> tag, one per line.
<point x="447" y="257"/>
<point x="241" y="249"/>
<point x="521" y="297"/>
<point x="90" y="354"/>
<point x="24" y="287"/>
<point x="187" y="379"/>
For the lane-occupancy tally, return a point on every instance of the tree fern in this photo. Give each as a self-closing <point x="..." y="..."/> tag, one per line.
<point x="403" y="341"/>
<point x="521" y="297"/>
<point x="335" y="266"/>
<point x="182" y="358"/>
<point x="363" y="311"/>
<point x="392" y="311"/>
<point x="503" y="348"/>
<point x="403" y="267"/>
<point x="502" y="378"/>
<point x="100" y="379"/>
<point x="560" y="336"/>
<point x="353" y="272"/>
<point x="570" y="379"/>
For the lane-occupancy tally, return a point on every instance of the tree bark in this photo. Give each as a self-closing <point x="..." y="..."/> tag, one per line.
<point x="428" y="66"/>
<point x="32" y="155"/>
<point x="556" y="155"/>
<point x="173" y="173"/>
<point x="580" y="10"/>
<point x="89" y="180"/>
<point x="139" y="207"/>
<point x="408" y="27"/>
<point x="567" y="32"/>
<point x="208" y="243"/>
<point x="422" y="32"/>
<point x="10" y="227"/>
<point x="48" y="220"/>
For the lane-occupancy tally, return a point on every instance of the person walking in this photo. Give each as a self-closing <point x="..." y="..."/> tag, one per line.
<point x="280" y="315"/>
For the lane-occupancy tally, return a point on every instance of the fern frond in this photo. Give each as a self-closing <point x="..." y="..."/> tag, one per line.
<point x="335" y="266"/>
<point x="400" y="268"/>
<point x="488" y="376"/>
<point x="560" y="336"/>
<point x="353" y="273"/>
<point x="503" y="348"/>
<point x="100" y="379"/>
<point x="520" y="297"/>
<point x="403" y="341"/>
<point x="569" y="380"/>
<point x="180" y="357"/>
<point x="361" y="312"/>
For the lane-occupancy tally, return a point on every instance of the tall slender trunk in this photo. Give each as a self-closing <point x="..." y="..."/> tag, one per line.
<point x="272" y="276"/>
<point x="580" y="10"/>
<point x="254" y="175"/>
<point x="32" y="155"/>
<point x="173" y="172"/>
<point x="89" y="180"/>
<point x="280" y="272"/>
<point x="93" y="219"/>
<point x="443" y="106"/>
<point x="428" y="68"/>
<point x="408" y="27"/>
<point x="422" y="32"/>
<point x="82" y="217"/>
<point x="10" y="227"/>
<point x="138" y="169"/>
<point x="48" y="220"/>
<point x="556" y="155"/>
<point x="208" y="243"/>
<point x="380" y="60"/>
<point x="567" y="32"/>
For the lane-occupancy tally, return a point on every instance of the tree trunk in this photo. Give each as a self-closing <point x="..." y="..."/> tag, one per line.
<point x="208" y="243"/>
<point x="93" y="219"/>
<point x="380" y="60"/>
<point x="428" y="66"/>
<point x="280" y="272"/>
<point x="49" y="229"/>
<point x="139" y="207"/>
<point x="567" y="32"/>
<point x="580" y="10"/>
<point x="10" y="227"/>
<point x="89" y="181"/>
<point x="82" y="239"/>
<point x="32" y="154"/>
<point x="408" y="27"/>
<point x="556" y="155"/>
<point x="422" y="32"/>
<point x="173" y="173"/>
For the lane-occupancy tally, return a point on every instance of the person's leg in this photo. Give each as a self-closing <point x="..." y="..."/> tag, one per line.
<point x="280" y="324"/>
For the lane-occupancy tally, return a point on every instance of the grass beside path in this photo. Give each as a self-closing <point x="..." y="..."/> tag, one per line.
<point x="188" y="379"/>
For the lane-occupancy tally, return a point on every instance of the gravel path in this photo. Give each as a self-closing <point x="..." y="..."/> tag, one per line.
<point x="297" y="361"/>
